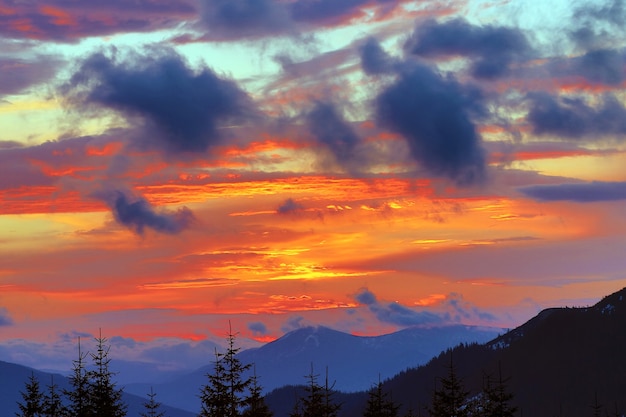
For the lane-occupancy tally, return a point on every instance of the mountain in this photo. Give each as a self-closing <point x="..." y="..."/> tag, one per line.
<point x="13" y="378"/>
<point x="559" y="363"/>
<point x="354" y="362"/>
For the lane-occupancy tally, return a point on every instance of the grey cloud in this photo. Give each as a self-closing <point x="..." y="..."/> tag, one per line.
<point x="604" y="66"/>
<point x="578" y="192"/>
<point x="595" y="23"/>
<point x="293" y="323"/>
<point x="20" y="74"/>
<point x="493" y="48"/>
<point x="365" y="296"/>
<point x="574" y="118"/>
<point x="374" y="59"/>
<point x="137" y="214"/>
<point x="289" y="206"/>
<point x="244" y="18"/>
<point x="180" y="110"/>
<point x="434" y="114"/>
<point x="396" y="313"/>
<point x="462" y="309"/>
<point x="331" y="130"/>
<point x="257" y="328"/>
<point x="5" y="318"/>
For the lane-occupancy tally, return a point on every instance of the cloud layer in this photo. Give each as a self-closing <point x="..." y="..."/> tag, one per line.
<point x="178" y="109"/>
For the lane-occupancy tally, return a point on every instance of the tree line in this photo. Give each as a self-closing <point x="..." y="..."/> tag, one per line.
<point x="229" y="393"/>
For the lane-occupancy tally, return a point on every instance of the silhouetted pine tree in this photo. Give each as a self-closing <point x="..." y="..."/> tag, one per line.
<point x="596" y="407"/>
<point x="450" y="400"/>
<point x="214" y="394"/>
<point x="224" y="396"/>
<point x="255" y="403"/>
<point x="236" y="384"/>
<point x="32" y="405"/>
<point x="106" y="399"/>
<point x="318" y="401"/>
<point x="378" y="403"/>
<point x="497" y="398"/>
<point x="79" y="396"/>
<point x="52" y="405"/>
<point x="152" y="406"/>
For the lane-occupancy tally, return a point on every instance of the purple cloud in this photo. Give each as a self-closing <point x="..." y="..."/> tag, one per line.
<point x="580" y="192"/>
<point x="137" y="214"/>
<point x="20" y="74"/>
<point x="5" y="318"/>
<point x="331" y="131"/>
<point x="574" y="118"/>
<point x="257" y="328"/>
<point x="374" y="59"/>
<point x="493" y="48"/>
<point x="179" y="110"/>
<point x="433" y="114"/>
<point x="68" y="21"/>
<point x="289" y="206"/>
<point x="396" y="313"/>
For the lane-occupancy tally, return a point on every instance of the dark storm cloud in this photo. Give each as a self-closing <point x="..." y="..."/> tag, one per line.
<point x="331" y="131"/>
<point x="579" y="192"/>
<point x="493" y="48"/>
<point x="573" y="118"/>
<point x="137" y="214"/>
<point x="433" y="114"/>
<point x="179" y="109"/>
<point x="396" y="313"/>
<point x="244" y="18"/>
<point x="257" y="328"/>
<point x="67" y="20"/>
<point x="374" y="59"/>
<point x="289" y="206"/>
<point x="19" y="74"/>
<point x="5" y="319"/>
<point x="604" y="66"/>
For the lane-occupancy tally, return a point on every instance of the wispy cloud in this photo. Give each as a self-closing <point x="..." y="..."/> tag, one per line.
<point x="579" y="192"/>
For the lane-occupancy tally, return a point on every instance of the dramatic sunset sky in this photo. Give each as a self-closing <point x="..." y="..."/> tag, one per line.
<point x="169" y="165"/>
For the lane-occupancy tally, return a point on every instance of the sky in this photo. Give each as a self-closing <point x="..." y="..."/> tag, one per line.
<point x="170" y="166"/>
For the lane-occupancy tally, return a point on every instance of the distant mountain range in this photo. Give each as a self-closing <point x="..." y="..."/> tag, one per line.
<point x="354" y="362"/>
<point x="560" y="363"/>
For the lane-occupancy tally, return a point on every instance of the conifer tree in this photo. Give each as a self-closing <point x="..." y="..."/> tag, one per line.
<point x="105" y="398"/>
<point x="32" y="405"/>
<point x="52" y="405"/>
<point x="79" y="395"/>
<point x="378" y="403"/>
<point x="596" y="407"/>
<point x="450" y="399"/>
<point x="318" y="401"/>
<point x="255" y="403"/>
<point x="236" y="383"/>
<point x="496" y="398"/>
<point x="213" y="395"/>
<point x="152" y="406"/>
<point x="223" y="396"/>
